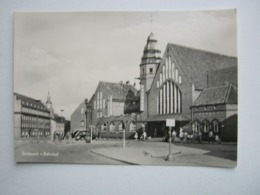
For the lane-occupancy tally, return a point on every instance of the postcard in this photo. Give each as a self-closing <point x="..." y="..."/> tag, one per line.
<point x="126" y="88"/>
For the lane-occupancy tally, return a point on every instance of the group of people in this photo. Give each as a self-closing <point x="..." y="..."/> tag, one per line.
<point x="186" y="137"/>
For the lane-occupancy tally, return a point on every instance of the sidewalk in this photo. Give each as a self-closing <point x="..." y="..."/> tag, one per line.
<point x="152" y="153"/>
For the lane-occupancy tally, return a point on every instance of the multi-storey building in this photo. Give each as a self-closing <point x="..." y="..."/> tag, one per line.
<point x="31" y="118"/>
<point x="171" y="87"/>
<point x="105" y="110"/>
<point x="216" y="107"/>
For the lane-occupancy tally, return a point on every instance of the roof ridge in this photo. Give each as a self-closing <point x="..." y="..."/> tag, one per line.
<point x="215" y="87"/>
<point x="221" y="69"/>
<point x="26" y="96"/>
<point x="201" y="50"/>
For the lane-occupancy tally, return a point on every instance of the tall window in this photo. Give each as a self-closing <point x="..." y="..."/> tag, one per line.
<point x="196" y="126"/>
<point x="104" y="127"/>
<point x="215" y="124"/>
<point x="169" y="99"/>
<point x="82" y="123"/>
<point x="112" y="127"/>
<point x="121" y="126"/>
<point x="206" y="126"/>
<point x="82" y="110"/>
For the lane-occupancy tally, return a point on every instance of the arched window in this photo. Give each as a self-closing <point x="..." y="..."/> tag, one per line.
<point x="132" y="126"/>
<point x="121" y="126"/>
<point x="104" y="127"/>
<point x="169" y="99"/>
<point x="196" y="126"/>
<point x="206" y="126"/>
<point x="112" y="127"/>
<point x="82" y="123"/>
<point x="215" y="125"/>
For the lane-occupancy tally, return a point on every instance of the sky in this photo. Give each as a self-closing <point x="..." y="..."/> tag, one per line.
<point x="68" y="53"/>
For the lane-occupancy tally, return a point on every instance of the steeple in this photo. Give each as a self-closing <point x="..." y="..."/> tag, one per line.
<point x="151" y="54"/>
<point x="149" y="62"/>
<point x="48" y="102"/>
<point x="148" y="67"/>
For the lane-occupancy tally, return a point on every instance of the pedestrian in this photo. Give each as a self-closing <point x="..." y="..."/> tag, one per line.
<point x="185" y="136"/>
<point x="200" y="136"/>
<point x="136" y="136"/>
<point x="181" y="135"/>
<point x="144" y="135"/>
<point x="173" y="135"/>
<point x="217" y="139"/>
<point x="67" y="136"/>
<point x="211" y="137"/>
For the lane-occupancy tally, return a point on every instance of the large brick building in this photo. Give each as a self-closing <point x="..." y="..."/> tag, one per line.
<point x="170" y="86"/>
<point x="106" y="109"/>
<point x="31" y="118"/>
<point x="173" y="86"/>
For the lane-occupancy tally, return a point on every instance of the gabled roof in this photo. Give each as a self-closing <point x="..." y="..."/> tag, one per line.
<point x="31" y="103"/>
<point x="226" y="94"/>
<point x="196" y="63"/>
<point x="117" y="90"/>
<point x="220" y="77"/>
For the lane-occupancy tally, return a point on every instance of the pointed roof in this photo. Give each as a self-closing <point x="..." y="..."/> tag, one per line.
<point x="225" y="94"/>
<point x="196" y="63"/>
<point x="151" y="54"/>
<point x="117" y="90"/>
<point x="48" y="98"/>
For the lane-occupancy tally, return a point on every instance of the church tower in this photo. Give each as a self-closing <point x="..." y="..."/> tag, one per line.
<point x="49" y="105"/>
<point x="148" y="67"/>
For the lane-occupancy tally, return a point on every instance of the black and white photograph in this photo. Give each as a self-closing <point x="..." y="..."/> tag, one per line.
<point x="126" y="88"/>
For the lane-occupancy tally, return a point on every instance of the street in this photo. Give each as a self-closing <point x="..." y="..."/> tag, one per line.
<point x="73" y="152"/>
<point x="111" y="152"/>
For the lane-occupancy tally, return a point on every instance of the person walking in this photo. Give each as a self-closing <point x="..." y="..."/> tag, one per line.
<point x="211" y="137"/>
<point x="181" y="135"/>
<point x="173" y="135"/>
<point x="200" y="136"/>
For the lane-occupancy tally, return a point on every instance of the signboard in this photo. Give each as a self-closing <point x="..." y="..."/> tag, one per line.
<point x="170" y="122"/>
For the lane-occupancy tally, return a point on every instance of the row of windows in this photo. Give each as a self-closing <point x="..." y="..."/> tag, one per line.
<point x="205" y="126"/>
<point x="33" y="105"/>
<point x="35" y="125"/>
<point x="36" y="112"/>
<point x="169" y="99"/>
<point x="99" y="114"/>
<point x="207" y="113"/>
<point x="31" y="118"/>
<point x="169" y="72"/>
<point x="121" y="127"/>
<point x="206" y="108"/>
<point x="26" y="133"/>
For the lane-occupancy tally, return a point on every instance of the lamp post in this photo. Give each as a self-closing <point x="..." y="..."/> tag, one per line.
<point x="61" y="121"/>
<point x="88" y="110"/>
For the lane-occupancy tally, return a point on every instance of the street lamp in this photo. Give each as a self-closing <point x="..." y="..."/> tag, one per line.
<point x="88" y="110"/>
